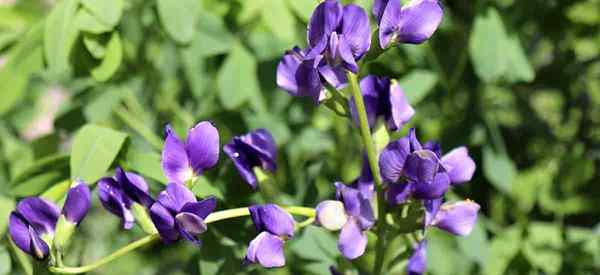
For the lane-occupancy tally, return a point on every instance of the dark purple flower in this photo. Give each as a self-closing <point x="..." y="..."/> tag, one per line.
<point x="383" y="98"/>
<point x="338" y="36"/>
<point x="255" y="149"/>
<point x="412" y="23"/>
<point x="33" y="223"/>
<point x="417" y="263"/>
<point x="182" y="161"/>
<point x="276" y="225"/>
<point x="177" y="213"/>
<point x="117" y="194"/>
<point x="457" y="218"/>
<point x="353" y="214"/>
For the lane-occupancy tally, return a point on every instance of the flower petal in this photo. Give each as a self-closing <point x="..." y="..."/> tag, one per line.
<point x="77" y="203"/>
<point x="190" y="226"/>
<point x="164" y="222"/>
<point x="422" y="166"/>
<point x="347" y="56"/>
<point x="355" y="30"/>
<point x="202" y="208"/>
<point x="335" y="76"/>
<point x="262" y="143"/>
<point x="419" y="20"/>
<point x="378" y="8"/>
<point x="401" y="111"/>
<point x="417" y="263"/>
<point x="457" y="218"/>
<point x="352" y="241"/>
<point x="331" y="215"/>
<point x="434" y="189"/>
<point x="203" y="146"/>
<point x="115" y="201"/>
<point x="398" y="193"/>
<point x="41" y="214"/>
<point x="372" y="89"/>
<point x="175" y="196"/>
<point x="389" y="23"/>
<point x="309" y="81"/>
<point x="19" y="232"/>
<point x="393" y="158"/>
<point x="134" y="186"/>
<point x="431" y="209"/>
<point x="174" y="160"/>
<point x="39" y="248"/>
<point x="267" y="250"/>
<point x="242" y="163"/>
<point x="324" y="20"/>
<point x="356" y="205"/>
<point x="286" y="70"/>
<point x="459" y="165"/>
<point x="272" y="218"/>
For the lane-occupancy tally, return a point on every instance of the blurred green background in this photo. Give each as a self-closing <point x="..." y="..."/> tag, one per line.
<point x="518" y="82"/>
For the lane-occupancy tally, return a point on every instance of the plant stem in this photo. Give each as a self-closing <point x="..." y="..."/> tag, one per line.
<point x="372" y="158"/>
<point x="214" y="217"/>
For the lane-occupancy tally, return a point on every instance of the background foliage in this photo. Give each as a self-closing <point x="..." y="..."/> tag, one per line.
<point x="88" y="84"/>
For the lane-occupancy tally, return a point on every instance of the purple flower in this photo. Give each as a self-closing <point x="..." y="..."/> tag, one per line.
<point x="383" y="98"/>
<point x="117" y="194"/>
<point x="255" y="149"/>
<point x="177" y="213"/>
<point x="417" y="263"/>
<point x="457" y="218"/>
<point x="276" y="225"/>
<point x="182" y="161"/>
<point x="413" y="23"/>
<point x="33" y="223"/>
<point x="338" y="36"/>
<point x="415" y="170"/>
<point x="352" y="213"/>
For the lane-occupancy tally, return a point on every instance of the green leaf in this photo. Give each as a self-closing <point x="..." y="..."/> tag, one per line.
<point x="203" y="188"/>
<point x="146" y="163"/>
<point x="499" y="169"/>
<point x="487" y="46"/>
<point x="212" y="37"/>
<point x="520" y="69"/>
<point x="112" y="59"/>
<point x="94" y="149"/>
<point x="503" y="248"/>
<point x="543" y="245"/>
<point x="585" y="12"/>
<point x="237" y="80"/>
<point x="6" y="206"/>
<point x="179" y="18"/>
<point x="279" y="19"/>
<point x="107" y="11"/>
<point x="59" y="37"/>
<point x="87" y="22"/>
<point x="417" y="85"/>
<point x="476" y="245"/>
<point x="5" y="263"/>
<point x="316" y="244"/>
<point x="303" y="8"/>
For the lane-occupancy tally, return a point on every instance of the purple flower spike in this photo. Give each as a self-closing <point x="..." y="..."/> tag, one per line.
<point x="181" y="161"/>
<point x="255" y="149"/>
<point x="176" y="213"/>
<point x="414" y="23"/>
<point x="417" y="263"/>
<point x="77" y="203"/>
<point x="117" y="194"/>
<point x="383" y="98"/>
<point x="457" y="218"/>
<point x="275" y="225"/>
<point x="459" y="164"/>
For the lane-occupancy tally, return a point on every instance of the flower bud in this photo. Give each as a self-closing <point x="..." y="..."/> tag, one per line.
<point x="331" y="215"/>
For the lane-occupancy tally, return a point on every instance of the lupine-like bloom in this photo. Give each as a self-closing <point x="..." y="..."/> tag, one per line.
<point x="352" y="213"/>
<point x="33" y="223"/>
<point x="182" y="161"/>
<point x="413" y="23"/>
<point x="117" y="194"/>
<point x="383" y="98"/>
<point x="255" y="149"/>
<point x="457" y="218"/>
<point x="338" y="36"/>
<point x="276" y="225"/>
<point x="415" y="170"/>
<point x="177" y="213"/>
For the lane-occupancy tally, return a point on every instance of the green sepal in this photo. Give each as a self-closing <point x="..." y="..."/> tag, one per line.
<point x="64" y="231"/>
<point x="142" y="218"/>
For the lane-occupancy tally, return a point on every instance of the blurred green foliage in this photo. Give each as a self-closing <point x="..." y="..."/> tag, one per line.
<point x="89" y="84"/>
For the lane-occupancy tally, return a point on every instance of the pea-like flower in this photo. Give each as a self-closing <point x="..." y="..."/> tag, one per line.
<point x="117" y="194"/>
<point x="338" y="36"/>
<point x="383" y="98"/>
<point x="275" y="226"/>
<point x="457" y="218"/>
<point x="353" y="214"/>
<point x="182" y="161"/>
<point x="255" y="149"/>
<point x="417" y="263"/>
<point x="415" y="170"/>
<point x="177" y="213"/>
<point x="32" y="225"/>
<point x="413" y="23"/>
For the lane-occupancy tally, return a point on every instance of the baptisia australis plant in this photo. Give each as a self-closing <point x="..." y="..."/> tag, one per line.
<point x="395" y="177"/>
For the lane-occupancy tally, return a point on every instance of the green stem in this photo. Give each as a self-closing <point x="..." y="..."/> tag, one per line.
<point x="214" y="217"/>
<point x="372" y="157"/>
